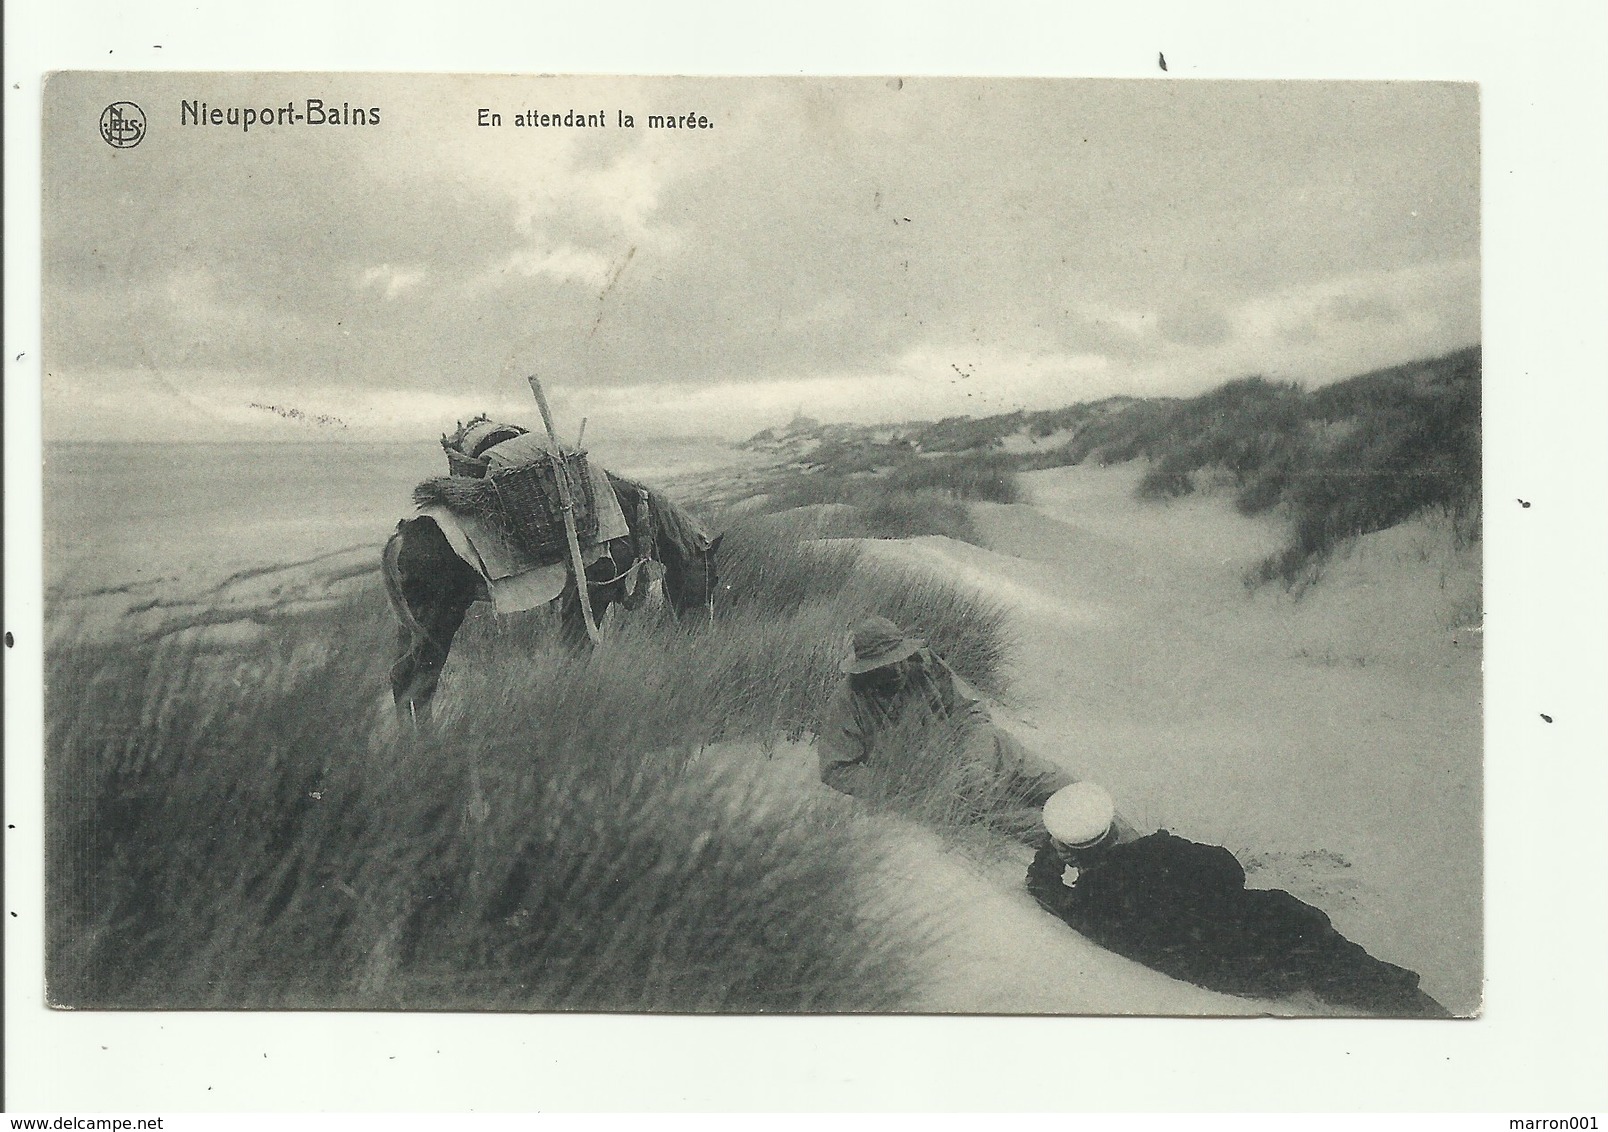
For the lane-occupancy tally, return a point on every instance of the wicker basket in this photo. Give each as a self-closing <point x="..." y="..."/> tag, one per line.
<point x="530" y="512"/>
<point x="459" y="464"/>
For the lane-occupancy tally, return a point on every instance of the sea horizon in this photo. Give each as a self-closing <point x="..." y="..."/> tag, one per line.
<point x="118" y="511"/>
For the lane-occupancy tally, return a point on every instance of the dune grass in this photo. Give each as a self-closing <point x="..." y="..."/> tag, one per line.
<point x="966" y="476"/>
<point x="872" y="506"/>
<point x="938" y="773"/>
<point x="891" y="490"/>
<point x="966" y="435"/>
<point x="229" y="833"/>
<point x="788" y="598"/>
<point x="239" y="822"/>
<point x="1416" y="450"/>
<point x="1346" y="460"/>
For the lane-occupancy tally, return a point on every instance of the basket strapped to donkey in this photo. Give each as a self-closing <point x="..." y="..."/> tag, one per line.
<point x="529" y="504"/>
<point x="523" y="502"/>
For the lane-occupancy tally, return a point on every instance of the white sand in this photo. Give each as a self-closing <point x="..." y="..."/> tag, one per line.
<point x="1332" y="742"/>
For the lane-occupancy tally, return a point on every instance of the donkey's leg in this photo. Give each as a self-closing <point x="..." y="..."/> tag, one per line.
<point x="606" y="570"/>
<point x="572" y="624"/>
<point x="437" y="588"/>
<point x="424" y="650"/>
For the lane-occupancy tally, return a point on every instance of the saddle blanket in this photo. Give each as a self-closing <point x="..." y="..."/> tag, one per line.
<point x="530" y="588"/>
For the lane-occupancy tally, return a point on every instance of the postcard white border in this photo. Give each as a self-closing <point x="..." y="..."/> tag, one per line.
<point x="1540" y="1045"/>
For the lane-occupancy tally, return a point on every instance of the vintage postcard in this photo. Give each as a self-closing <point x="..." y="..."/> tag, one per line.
<point x="1031" y="531"/>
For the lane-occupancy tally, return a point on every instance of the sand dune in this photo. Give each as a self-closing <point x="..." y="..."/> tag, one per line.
<point x="1333" y="741"/>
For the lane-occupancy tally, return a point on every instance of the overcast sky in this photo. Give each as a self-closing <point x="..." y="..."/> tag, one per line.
<point x="861" y="249"/>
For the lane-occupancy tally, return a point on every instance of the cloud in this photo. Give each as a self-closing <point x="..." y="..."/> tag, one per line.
<point x="1198" y="321"/>
<point x="1354" y="307"/>
<point x="1313" y="333"/>
<point x="1335" y="328"/>
<point x="565" y="263"/>
<point x="825" y="231"/>
<point x="391" y="281"/>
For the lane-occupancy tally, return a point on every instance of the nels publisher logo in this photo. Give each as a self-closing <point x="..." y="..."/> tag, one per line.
<point x="122" y="125"/>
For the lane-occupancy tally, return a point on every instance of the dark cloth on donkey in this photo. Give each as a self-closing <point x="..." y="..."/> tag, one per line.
<point x="1182" y="908"/>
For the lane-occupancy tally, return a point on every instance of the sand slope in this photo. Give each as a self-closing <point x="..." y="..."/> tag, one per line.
<point x="993" y="949"/>
<point x="1333" y="742"/>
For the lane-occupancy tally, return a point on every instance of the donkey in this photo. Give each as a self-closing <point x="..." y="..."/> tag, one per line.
<point x="431" y="588"/>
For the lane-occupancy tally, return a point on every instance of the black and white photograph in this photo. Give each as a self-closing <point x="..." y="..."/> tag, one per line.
<point x="857" y="558"/>
<point x="1029" y="535"/>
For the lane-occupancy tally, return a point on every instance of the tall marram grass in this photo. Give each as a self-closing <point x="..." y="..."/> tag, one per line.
<point x="551" y="849"/>
<point x="767" y="664"/>
<point x="873" y="507"/>
<point x="947" y="776"/>
<point x="888" y="491"/>
<point x="244" y="825"/>
<point x="768" y="570"/>
<point x="1350" y="458"/>
<point x="969" y="476"/>
<point x="1346" y="460"/>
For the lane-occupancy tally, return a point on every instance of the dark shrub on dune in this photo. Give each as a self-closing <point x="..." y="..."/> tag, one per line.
<point x="895" y="492"/>
<point x="1345" y="460"/>
<point x="1125" y="433"/>
<point x="842" y="457"/>
<point x="966" y="434"/>
<point x="1415" y="450"/>
<point x="910" y="514"/>
<point x="875" y="507"/>
<point x="1167" y="480"/>
<point x="972" y="476"/>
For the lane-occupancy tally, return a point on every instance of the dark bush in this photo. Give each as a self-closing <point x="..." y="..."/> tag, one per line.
<point x="966" y="434"/>
<point x="1351" y="458"/>
<point x="987" y="476"/>
<point x="1166" y="480"/>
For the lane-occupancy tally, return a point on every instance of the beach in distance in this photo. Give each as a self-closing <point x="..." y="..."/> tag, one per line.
<point x="183" y="515"/>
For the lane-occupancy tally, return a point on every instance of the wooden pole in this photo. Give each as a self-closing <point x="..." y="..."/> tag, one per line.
<point x="567" y="503"/>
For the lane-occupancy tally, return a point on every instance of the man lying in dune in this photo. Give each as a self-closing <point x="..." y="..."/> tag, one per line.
<point x="1183" y="909"/>
<point x="898" y="692"/>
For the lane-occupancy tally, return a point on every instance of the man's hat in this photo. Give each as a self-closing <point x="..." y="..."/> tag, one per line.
<point x="1078" y="816"/>
<point x="876" y="643"/>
